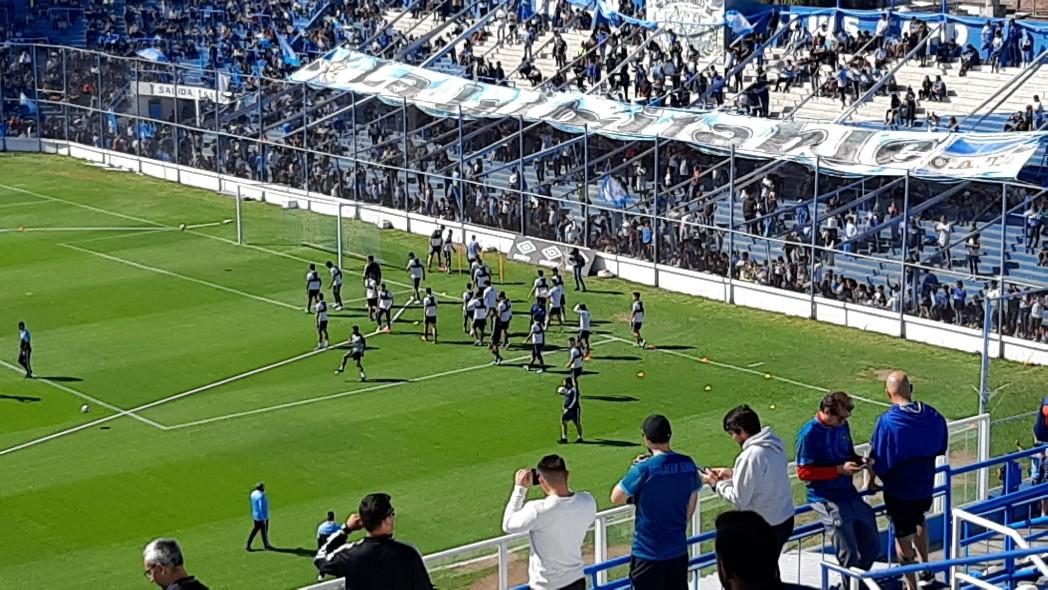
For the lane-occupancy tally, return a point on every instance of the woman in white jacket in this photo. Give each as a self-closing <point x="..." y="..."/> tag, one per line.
<point x="759" y="480"/>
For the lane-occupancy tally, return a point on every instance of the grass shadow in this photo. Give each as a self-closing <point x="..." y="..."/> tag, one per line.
<point x="388" y="380"/>
<point x="611" y="398"/>
<point x="607" y="442"/>
<point x="20" y="398"/>
<point x="604" y="292"/>
<point x="618" y="357"/>
<point x="62" y="379"/>
<point x="299" y="551"/>
<point x="674" y="347"/>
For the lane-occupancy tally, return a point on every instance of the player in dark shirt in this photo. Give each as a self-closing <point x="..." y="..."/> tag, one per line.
<point x="376" y="562"/>
<point x="572" y="410"/>
<point x="372" y="270"/>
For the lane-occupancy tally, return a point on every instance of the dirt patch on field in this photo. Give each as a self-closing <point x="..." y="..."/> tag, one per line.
<point x="874" y="374"/>
<point x="622" y="317"/>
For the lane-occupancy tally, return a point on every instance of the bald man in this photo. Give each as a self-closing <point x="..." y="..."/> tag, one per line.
<point x="906" y="440"/>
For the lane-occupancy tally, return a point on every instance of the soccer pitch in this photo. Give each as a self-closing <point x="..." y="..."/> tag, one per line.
<point x="194" y="354"/>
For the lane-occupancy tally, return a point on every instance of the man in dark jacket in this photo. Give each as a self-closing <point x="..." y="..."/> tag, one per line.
<point x="376" y="562"/>
<point x="165" y="566"/>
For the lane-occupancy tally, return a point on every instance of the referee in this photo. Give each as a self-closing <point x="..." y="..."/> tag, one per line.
<point x="25" y="350"/>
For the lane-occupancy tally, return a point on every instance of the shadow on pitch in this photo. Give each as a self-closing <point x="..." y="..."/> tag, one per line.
<point x="601" y="292"/>
<point x="20" y="398"/>
<point x="674" y="347"/>
<point x="607" y="442"/>
<point x="62" y="379"/>
<point x="388" y="380"/>
<point x="611" y="398"/>
<point x="299" y="551"/>
<point x="618" y="357"/>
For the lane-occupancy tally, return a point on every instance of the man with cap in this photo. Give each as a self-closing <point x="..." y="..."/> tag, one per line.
<point x="260" y="515"/>
<point x="664" y="486"/>
<point x="376" y="562"/>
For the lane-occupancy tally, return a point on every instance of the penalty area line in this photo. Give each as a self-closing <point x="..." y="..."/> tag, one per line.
<point x="321" y="398"/>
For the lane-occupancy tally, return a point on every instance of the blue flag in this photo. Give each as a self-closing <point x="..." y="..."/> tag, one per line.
<point x="28" y="103"/>
<point x="290" y="57"/>
<point x="613" y="193"/>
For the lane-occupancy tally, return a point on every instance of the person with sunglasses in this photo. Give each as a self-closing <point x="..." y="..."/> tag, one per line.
<point x="376" y="562"/>
<point x="164" y="565"/>
<point x="826" y="463"/>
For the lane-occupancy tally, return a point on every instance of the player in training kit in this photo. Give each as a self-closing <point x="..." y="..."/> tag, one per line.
<point x="385" y="307"/>
<point x="503" y="315"/>
<point x="336" y="283"/>
<point x="321" y="310"/>
<point x="584" y="327"/>
<point x="417" y="272"/>
<point x="540" y="289"/>
<point x="436" y="240"/>
<point x="429" y="310"/>
<point x="537" y="336"/>
<point x="472" y="250"/>
<point x="479" y="312"/>
<point x="467" y="295"/>
<point x="371" y="295"/>
<point x="556" y="305"/>
<point x="449" y="249"/>
<point x="555" y="278"/>
<point x="312" y="287"/>
<point x="574" y="363"/>
<point x="357" y="344"/>
<point x="494" y="349"/>
<point x="481" y="274"/>
<point x="637" y="318"/>
<point x="572" y="410"/>
<point x="25" y="349"/>
<point x="372" y="271"/>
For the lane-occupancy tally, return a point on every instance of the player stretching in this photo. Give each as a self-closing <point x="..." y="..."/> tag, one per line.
<point x="540" y="289"/>
<point x="312" y="287"/>
<point x="385" y="307"/>
<point x="637" y="318"/>
<point x="467" y="296"/>
<point x="25" y="349"/>
<point x="371" y="294"/>
<point x="574" y="363"/>
<point x="417" y="272"/>
<point x="503" y="315"/>
<point x="537" y="335"/>
<point x="572" y="410"/>
<point x="436" y="241"/>
<point x="429" y="306"/>
<point x="322" y="321"/>
<point x="357" y="344"/>
<point x="479" y="312"/>
<point x="449" y="249"/>
<point x="585" y="319"/>
<point x="336" y="283"/>
<point x="556" y="304"/>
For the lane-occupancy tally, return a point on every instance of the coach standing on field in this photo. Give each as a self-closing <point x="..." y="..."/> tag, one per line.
<point x="260" y="515"/>
<point x="665" y="489"/>
<point x="906" y="440"/>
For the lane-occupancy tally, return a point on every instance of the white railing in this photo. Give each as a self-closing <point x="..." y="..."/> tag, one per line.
<point x="960" y="516"/>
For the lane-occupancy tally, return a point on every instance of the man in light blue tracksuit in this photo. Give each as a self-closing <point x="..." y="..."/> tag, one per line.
<point x="259" y="514"/>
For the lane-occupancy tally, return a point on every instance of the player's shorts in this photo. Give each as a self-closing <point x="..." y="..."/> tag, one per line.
<point x="335" y="288"/>
<point x="434" y="250"/>
<point x="576" y="372"/>
<point x="540" y="300"/>
<point x="480" y="324"/>
<point x="536" y="348"/>
<point x="906" y="515"/>
<point x="312" y="293"/>
<point x="584" y="335"/>
<point x="571" y="415"/>
<point x="431" y="320"/>
<point x="372" y="301"/>
<point x="556" y="311"/>
<point x="322" y="326"/>
<point x="636" y="326"/>
<point x="356" y="355"/>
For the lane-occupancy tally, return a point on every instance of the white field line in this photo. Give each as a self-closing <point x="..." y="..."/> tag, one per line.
<point x="82" y="206"/>
<point x="149" y="405"/>
<point x="754" y="365"/>
<point x="351" y="392"/>
<point x="753" y="372"/>
<point x="23" y="203"/>
<point x="86" y="397"/>
<point x="183" y="277"/>
<point x="79" y="229"/>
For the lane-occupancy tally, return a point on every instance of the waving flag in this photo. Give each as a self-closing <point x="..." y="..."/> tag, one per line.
<point x="290" y="57"/>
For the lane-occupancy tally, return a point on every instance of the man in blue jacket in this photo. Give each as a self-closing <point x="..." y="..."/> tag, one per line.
<point x="906" y="440"/>
<point x="260" y="515"/>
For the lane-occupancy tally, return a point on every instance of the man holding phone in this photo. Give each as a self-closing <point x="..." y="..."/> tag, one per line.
<point x="665" y="489"/>
<point x="556" y="525"/>
<point x="826" y="463"/>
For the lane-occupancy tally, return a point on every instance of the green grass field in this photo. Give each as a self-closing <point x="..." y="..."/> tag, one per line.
<point x="133" y="317"/>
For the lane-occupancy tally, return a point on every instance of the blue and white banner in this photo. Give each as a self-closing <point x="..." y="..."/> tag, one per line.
<point x="842" y="149"/>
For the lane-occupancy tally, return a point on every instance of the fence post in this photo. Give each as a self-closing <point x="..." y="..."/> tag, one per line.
<point x="338" y="232"/>
<point x="983" y="481"/>
<point x="814" y="239"/>
<point x="404" y="130"/>
<point x="178" y="130"/>
<point x="731" y="224"/>
<point x="520" y="177"/>
<point x="584" y="194"/>
<point x="240" y="217"/>
<point x="97" y="98"/>
<point x="984" y="366"/>
<point x="503" y="566"/>
<point x="1004" y="261"/>
<point x="655" y="206"/>
<point x="356" y="161"/>
<point x="905" y="246"/>
<point x="65" y="93"/>
<point x="36" y="103"/>
<point x="138" y="121"/>
<point x="462" y="170"/>
<point x="600" y="546"/>
<point x="3" y="136"/>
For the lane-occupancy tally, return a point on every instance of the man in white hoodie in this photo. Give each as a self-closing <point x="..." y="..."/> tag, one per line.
<point x="759" y="481"/>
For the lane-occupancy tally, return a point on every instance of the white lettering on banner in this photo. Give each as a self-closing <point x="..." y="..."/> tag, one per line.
<point x="184" y="92"/>
<point x="842" y="149"/>
<point x="684" y="17"/>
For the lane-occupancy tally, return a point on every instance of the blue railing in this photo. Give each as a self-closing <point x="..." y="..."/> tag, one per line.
<point x="800" y="533"/>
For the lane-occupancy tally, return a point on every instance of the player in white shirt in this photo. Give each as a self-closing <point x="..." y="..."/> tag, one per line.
<point x="491" y="300"/>
<point x="637" y="318"/>
<point x="357" y="344"/>
<point x="321" y="310"/>
<point x="385" y="307"/>
<point x="336" y="283"/>
<point x="429" y="311"/>
<point x="540" y="289"/>
<point x="417" y="272"/>
<point x="481" y="274"/>
<point x="312" y="287"/>
<point x="371" y="294"/>
<point x="585" y="320"/>
<point x="503" y="315"/>
<point x="436" y="241"/>
<point x="449" y="249"/>
<point x="472" y="250"/>
<point x="479" y="312"/>
<point x="556" y="305"/>
<point x="467" y="295"/>
<point x="574" y="364"/>
<point x="537" y="337"/>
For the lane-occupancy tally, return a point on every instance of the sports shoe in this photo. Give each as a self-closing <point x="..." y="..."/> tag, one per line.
<point x="562" y="441"/>
<point x="338" y="371"/>
<point x="540" y="370"/>
<point x="579" y="440"/>
<point x="527" y="368"/>
<point x="363" y="377"/>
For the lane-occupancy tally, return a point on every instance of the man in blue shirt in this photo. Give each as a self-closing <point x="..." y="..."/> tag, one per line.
<point x="826" y="463"/>
<point x="25" y="349"/>
<point x="327" y="528"/>
<point x="906" y="440"/>
<point x="664" y="486"/>
<point x="260" y="515"/>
